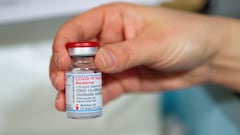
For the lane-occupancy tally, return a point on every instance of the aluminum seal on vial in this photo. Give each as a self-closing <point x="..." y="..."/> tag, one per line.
<point x="82" y="48"/>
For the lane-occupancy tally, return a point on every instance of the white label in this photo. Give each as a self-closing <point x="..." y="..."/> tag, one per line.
<point x="83" y="92"/>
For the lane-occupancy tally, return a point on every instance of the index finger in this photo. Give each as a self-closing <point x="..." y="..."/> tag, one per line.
<point x="80" y="28"/>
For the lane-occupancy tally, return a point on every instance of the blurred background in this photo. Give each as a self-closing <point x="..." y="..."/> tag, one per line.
<point x="27" y="28"/>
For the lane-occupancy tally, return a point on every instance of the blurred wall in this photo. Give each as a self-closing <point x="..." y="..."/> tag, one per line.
<point x="224" y="7"/>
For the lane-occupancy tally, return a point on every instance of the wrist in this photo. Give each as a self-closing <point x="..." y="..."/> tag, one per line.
<point x="225" y="65"/>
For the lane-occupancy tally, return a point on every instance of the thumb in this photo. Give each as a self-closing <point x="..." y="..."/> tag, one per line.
<point x="121" y="56"/>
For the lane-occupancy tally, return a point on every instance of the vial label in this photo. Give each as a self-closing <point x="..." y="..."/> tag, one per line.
<point x="83" y="92"/>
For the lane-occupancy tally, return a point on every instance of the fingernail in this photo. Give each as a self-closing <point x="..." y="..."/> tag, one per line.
<point x="107" y="58"/>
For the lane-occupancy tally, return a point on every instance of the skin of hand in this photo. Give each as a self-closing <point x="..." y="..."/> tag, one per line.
<point x="143" y="49"/>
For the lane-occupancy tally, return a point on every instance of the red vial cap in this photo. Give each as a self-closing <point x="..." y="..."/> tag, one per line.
<point x="81" y="44"/>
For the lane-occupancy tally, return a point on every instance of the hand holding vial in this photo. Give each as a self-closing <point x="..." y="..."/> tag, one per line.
<point x="150" y="49"/>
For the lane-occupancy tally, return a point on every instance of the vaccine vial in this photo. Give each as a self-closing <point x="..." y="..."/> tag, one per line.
<point x="83" y="82"/>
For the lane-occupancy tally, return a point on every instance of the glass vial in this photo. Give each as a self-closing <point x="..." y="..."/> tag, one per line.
<point x="83" y="82"/>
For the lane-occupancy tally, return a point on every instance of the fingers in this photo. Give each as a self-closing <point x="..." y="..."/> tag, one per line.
<point x="106" y="24"/>
<point x="120" y="56"/>
<point x="60" y="102"/>
<point x="103" y="22"/>
<point x="56" y="76"/>
<point x="112" y="28"/>
<point x="81" y="28"/>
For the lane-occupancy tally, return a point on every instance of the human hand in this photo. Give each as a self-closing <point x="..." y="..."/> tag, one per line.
<point x="143" y="49"/>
